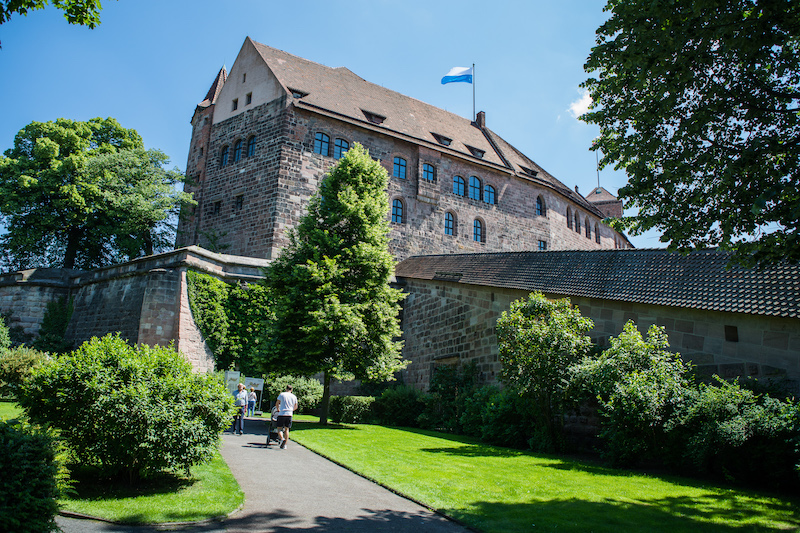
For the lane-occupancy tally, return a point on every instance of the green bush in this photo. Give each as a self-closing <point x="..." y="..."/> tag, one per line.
<point x="501" y="417"/>
<point x="639" y="385"/>
<point x="54" y="326"/>
<point x="400" y="406"/>
<point x="308" y="391"/>
<point x="5" y="337"/>
<point x="28" y="484"/>
<point x="733" y="433"/>
<point x="351" y="409"/>
<point x="129" y="410"/>
<point x="15" y="366"/>
<point x="449" y="388"/>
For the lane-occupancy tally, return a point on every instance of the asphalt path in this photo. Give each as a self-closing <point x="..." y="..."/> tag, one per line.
<point x="295" y="489"/>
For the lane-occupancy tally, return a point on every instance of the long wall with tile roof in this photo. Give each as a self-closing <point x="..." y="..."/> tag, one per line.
<point x="254" y="163"/>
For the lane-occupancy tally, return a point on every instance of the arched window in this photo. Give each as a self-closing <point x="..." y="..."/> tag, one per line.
<point x="237" y="150"/>
<point x="577" y="222"/>
<point x="588" y="229"/>
<point x="488" y="195"/>
<point x="340" y="147"/>
<point x="478" y="233"/>
<point x="540" y="212"/>
<point x="223" y="157"/>
<point x="569" y="218"/>
<point x="475" y="187"/>
<point x="251" y="146"/>
<point x="428" y="172"/>
<point x="322" y="144"/>
<point x="397" y="211"/>
<point x="449" y="223"/>
<point x="399" y="168"/>
<point x="596" y="234"/>
<point x="459" y="186"/>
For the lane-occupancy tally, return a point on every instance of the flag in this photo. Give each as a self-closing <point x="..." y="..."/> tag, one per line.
<point x="458" y="74"/>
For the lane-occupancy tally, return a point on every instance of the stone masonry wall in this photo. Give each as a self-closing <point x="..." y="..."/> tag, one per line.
<point x="26" y="294"/>
<point x="448" y="323"/>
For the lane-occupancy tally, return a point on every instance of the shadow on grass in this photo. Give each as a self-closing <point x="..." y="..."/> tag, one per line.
<point x="88" y="486"/>
<point x="711" y="512"/>
<point x="300" y="425"/>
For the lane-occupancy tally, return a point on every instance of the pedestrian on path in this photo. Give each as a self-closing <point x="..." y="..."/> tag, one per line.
<point x="251" y="402"/>
<point x="287" y="405"/>
<point x="241" y="404"/>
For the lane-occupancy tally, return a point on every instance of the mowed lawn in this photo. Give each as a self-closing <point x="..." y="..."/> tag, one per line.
<point x="498" y="489"/>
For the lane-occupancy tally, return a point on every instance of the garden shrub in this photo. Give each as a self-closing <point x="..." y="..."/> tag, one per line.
<point x="351" y="409"/>
<point x="307" y="390"/>
<point x="54" y="325"/>
<point x="400" y="406"/>
<point x="5" y="337"/>
<point x="449" y="388"/>
<point x="538" y="339"/>
<point x="131" y="410"/>
<point x="639" y="386"/>
<point x="15" y="366"/>
<point x="730" y="432"/>
<point x="28" y="483"/>
<point x="499" y="416"/>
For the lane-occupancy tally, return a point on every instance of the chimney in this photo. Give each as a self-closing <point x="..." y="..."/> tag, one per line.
<point x="480" y="120"/>
<point x="576" y="189"/>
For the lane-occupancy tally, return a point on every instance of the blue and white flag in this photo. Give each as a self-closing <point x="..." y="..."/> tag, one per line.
<point x="458" y="74"/>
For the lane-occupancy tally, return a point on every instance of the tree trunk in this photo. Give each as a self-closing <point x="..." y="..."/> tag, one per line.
<point x="73" y="239"/>
<point x="326" y="399"/>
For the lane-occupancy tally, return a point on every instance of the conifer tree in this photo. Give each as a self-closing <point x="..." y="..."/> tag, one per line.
<point x="335" y="311"/>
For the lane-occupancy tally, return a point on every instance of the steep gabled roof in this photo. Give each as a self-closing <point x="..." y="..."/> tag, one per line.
<point x="341" y="92"/>
<point x="699" y="280"/>
<point x="216" y="87"/>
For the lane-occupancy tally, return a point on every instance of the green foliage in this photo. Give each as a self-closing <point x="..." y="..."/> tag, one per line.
<point x="335" y="311"/>
<point x="538" y="340"/>
<point x="84" y="194"/>
<point x="698" y="103"/>
<point x="501" y="417"/>
<point x="308" y="391"/>
<point x="731" y="432"/>
<point x="5" y="337"/>
<point x="83" y="12"/>
<point x="15" y="366"/>
<point x="231" y="318"/>
<point x="54" y="326"/>
<point x="449" y="387"/>
<point x="16" y="333"/>
<point x="28" y="484"/>
<point x="351" y="409"/>
<point x="400" y="406"/>
<point x="639" y="385"/>
<point x="132" y="410"/>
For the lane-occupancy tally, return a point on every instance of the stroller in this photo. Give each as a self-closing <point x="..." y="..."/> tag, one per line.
<point x="272" y="432"/>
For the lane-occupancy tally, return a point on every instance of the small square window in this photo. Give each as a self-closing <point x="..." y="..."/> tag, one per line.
<point x="248" y="99"/>
<point x="731" y="334"/>
<point x="235" y="104"/>
<point x="542" y="246"/>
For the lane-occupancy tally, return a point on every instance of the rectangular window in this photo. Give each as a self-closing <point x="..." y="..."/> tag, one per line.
<point x="235" y="104"/>
<point x="239" y="202"/>
<point x="731" y="334"/>
<point x="248" y="99"/>
<point x="399" y="170"/>
<point x="217" y="207"/>
<point x="542" y="246"/>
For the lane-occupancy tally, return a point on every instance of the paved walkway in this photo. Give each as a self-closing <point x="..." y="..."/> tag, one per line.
<point x="313" y="494"/>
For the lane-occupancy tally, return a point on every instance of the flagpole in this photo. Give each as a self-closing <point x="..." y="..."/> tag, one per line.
<point x="473" y="93"/>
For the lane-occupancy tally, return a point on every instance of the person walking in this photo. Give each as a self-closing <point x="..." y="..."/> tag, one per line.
<point x="286" y="405"/>
<point x="240" y="400"/>
<point x="251" y="402"/>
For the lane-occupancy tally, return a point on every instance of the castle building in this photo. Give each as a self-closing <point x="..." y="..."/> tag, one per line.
<point x="269" y="130"/>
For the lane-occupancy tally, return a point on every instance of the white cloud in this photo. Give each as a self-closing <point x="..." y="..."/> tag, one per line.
<point x="581" y="105"/>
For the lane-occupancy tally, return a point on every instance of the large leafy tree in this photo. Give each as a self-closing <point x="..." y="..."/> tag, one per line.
<point x="335" y="311"/>
<point x="84" y="194"/>
<point x="699" y="102"/>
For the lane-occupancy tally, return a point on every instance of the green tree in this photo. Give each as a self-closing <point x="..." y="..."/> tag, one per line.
<point x="538" y="340"/>
<point x="82" y="12"/>
<point x="84" y="194"/>
<point x="699" y="103"/>
<point x="335" y="311"/>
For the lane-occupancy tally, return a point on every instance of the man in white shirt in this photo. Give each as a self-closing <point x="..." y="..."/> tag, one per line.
<point x="286" y="405"/>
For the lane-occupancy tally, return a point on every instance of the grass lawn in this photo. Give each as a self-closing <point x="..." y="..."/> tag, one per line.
<point x="211" y="492"/>
<point x="9" y="410"/>
<point x="501" y="490"/>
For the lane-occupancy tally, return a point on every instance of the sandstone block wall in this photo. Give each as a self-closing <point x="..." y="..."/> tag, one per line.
<point x="26" y="294"/>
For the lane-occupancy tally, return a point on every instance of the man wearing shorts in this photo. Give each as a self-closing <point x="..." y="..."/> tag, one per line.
<point x="286" y="405"/>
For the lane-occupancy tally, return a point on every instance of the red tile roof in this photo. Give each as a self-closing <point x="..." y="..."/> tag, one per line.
<point x="699" y="280"/>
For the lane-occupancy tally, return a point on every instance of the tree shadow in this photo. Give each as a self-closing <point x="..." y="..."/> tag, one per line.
<point x="88" y="484"/>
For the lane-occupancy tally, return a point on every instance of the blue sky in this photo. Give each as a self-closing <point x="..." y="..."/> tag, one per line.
<point x="149" y="63"/>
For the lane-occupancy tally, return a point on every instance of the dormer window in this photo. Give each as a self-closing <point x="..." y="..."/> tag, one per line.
<point x="529" y="171"/>
<point x="441" y="139"/>
<point x="373" y="117"/>
<point x="477" y="152"/>
<point x="297" y="93"/>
